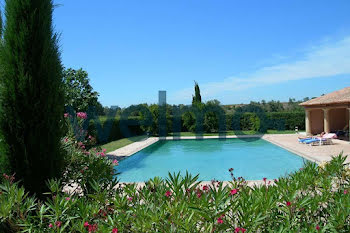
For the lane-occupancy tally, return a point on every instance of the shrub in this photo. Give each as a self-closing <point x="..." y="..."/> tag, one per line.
<point x="32" y="103"/>
<point x="286" y="120"/>
<point x="315" y="197"/>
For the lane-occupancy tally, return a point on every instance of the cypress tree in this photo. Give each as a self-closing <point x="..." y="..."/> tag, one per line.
<point x="31" y="94"/>
<point x="197" y="94"/>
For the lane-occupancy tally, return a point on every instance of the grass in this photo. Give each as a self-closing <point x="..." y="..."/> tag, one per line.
<point x="111" y="146"/>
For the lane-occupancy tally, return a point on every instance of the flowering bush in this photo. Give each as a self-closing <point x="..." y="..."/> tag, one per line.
<point x="313" y="199"/>
<point x="76" y="130"/>
<point x="85" y="168"/>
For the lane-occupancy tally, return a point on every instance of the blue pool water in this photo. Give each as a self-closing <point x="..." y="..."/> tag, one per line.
<point x="210" y="158"/>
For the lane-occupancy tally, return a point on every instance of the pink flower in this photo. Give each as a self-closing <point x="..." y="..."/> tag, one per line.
<point x="115" y="162"/>
<point x="345" y="191"/>
<point x="318" y="227"/>
<point x="205" y="187"/>
<point x="58" y="224"/>
<point x="264" y="179"/>
<point x="238" y="229"/>
<point x="67" y="198"/>
<point x="86" y="224"/>
<point x="168" y="193"/>
<point x="115" y="230"/>
<point x="104" y="150"/>
<point x="92" y="228"/>
<point x="199" y="194"/>
<point x="66" y="115"/>
<point x="233" y="192"/>
<point x="50" y="225"/>
<point x="130" y="198"/>
<point x="288" y="203"/>
<point x="82" y="115"/>
<point x="275" y="180"/>
<point x="220" y="221"/>
<point x="103" y="154"/>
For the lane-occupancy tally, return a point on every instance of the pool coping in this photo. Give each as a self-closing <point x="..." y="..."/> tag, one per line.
<point x="135" y="147"/>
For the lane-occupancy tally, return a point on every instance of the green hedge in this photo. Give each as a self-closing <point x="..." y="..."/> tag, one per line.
<point x="109" y="129"/>
<point x="271" y="120"/>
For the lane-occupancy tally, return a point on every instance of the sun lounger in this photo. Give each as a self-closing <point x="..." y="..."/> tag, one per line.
<point x="317" y="142"/>
<point x="326" y="139"/>
<point x="302" y="140"/>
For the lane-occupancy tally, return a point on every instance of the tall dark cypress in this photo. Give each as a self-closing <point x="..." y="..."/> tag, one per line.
<point x="197" y="98"/>
<point x="31" y="95"/>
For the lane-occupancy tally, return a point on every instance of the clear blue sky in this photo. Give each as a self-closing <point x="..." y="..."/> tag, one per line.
<point x="236" y="50"/>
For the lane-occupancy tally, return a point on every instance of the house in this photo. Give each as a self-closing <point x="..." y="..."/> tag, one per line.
<point x="328" y="113"/>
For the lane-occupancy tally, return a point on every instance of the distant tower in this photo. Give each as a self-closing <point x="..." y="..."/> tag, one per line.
<point x="162" y="127"/>
<point x="162" y="98"/>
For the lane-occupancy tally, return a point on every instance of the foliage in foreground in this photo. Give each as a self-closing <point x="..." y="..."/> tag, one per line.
<point x="31" y="93"/>
<point x="314" y="199"/>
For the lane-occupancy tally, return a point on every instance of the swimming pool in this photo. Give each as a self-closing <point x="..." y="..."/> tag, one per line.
<point x="210" y="158"/>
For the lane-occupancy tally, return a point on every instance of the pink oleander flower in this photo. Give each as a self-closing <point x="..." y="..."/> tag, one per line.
<point x="205" y="187"/>
<point x="199" y="194"/>
<point x="67" y="198"/>
<point x="115" y="230"/>
<point x="86" y="224"/>
<point x="115" y="162"/>
<point x="318" y="228"/>
<point x="345" y="191"/>
<point x="264" y="179"/>
<point x="168" y="193"/>
<point x="103" y="154"/>
<point x="82" y="115"/>
<point x="50" y="225"/>
<point x="92" y="228"/>
<point x="220" y="221"/>
<point x="239" y="229"/>
<point x="58" y="224"/>
<point x="9" y="178"/>
<point x="233" y="191"/>
<point x="129" y="198"/>
<point x="288" y="203"/>
<point x="66" y="115"/>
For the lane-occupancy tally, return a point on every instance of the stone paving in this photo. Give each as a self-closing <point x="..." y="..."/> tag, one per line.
<point x="314" y="153"/>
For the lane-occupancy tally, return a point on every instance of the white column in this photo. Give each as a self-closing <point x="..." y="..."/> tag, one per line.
<point x="308" y="121"/>
<point x="326" y="123"/>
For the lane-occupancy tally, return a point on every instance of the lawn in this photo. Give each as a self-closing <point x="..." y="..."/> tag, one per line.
<point x="111" y="146"/>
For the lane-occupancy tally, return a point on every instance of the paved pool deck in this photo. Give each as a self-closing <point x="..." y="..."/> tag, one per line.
<point x="287" y="141"/>
<point x="317" y="153"/>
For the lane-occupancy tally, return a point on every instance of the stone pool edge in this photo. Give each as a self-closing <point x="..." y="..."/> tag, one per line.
<point x="135" y="147"/>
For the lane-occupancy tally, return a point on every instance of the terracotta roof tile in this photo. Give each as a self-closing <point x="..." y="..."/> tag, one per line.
<point x="338" y="97"/>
